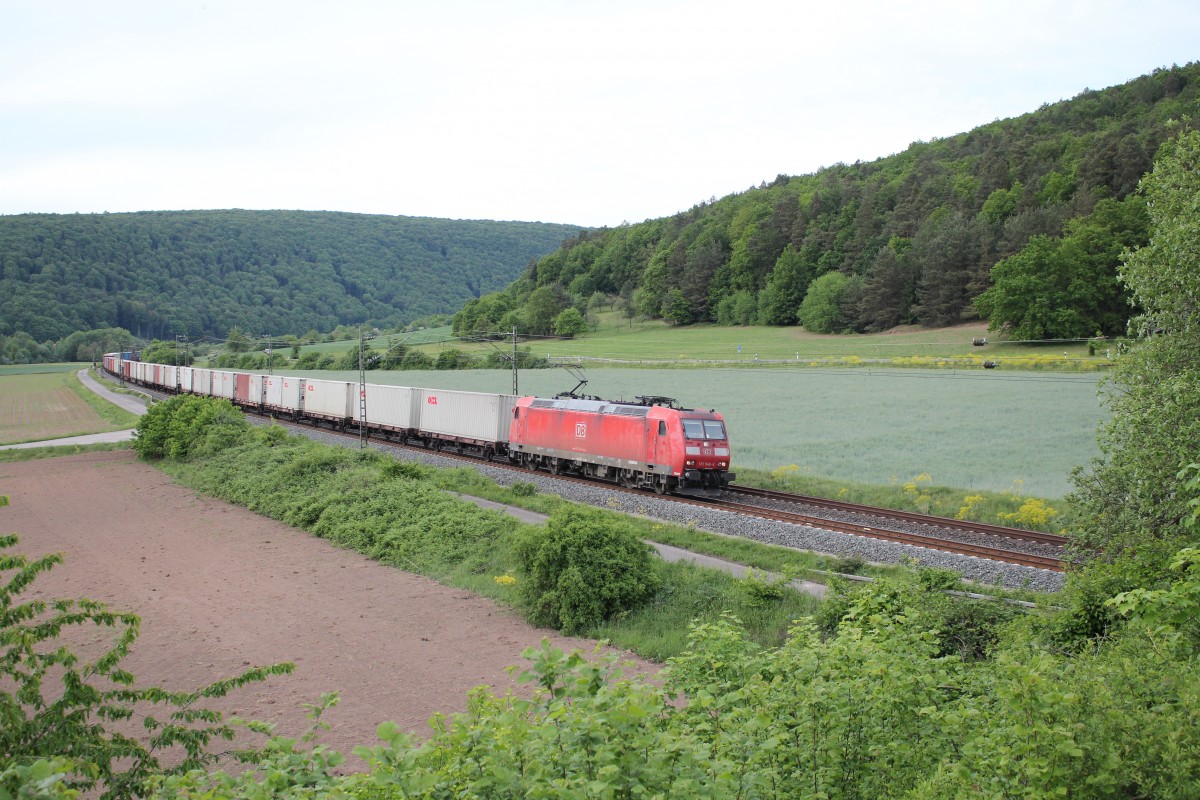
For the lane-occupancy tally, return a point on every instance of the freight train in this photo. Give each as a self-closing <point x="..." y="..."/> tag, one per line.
<point x="651" y="443"/>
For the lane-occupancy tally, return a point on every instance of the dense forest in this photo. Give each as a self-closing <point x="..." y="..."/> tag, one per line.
<point x="201" y="273"/>
<point x="1021" y="222"/>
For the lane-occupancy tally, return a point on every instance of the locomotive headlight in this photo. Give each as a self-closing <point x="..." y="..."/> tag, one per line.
<point x="722" y="464"/>
<point x="691" y="462"/>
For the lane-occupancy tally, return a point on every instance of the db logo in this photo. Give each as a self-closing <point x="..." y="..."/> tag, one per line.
<point x="580" y="430"/>
<point x="431" y="400"/>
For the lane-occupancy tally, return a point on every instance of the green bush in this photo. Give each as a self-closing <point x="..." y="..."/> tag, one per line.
<point x="406" y="469"/>
<point x="583" y="568"/>
<point x="959" y="626"/>
<point x="187" y="426"/>
<point x="308" y="360"/>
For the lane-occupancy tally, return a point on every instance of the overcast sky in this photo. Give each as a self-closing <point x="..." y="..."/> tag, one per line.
<point x="590" y="113"/>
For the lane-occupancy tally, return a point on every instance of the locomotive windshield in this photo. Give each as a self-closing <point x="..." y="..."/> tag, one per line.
<point x="703" y="429"/>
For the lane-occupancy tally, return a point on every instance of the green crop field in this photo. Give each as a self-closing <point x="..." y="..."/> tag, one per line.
<point x="703" y="345"/>
<point x="47" y="404"/>
<point x="32" y="369"/>
<point x="431" y="335"/>
<point x="965" y="428"/>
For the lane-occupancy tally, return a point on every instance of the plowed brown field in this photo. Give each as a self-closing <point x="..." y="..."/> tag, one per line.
<point x="219" y="588"/>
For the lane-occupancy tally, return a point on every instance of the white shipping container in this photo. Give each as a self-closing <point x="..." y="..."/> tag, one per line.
<point x="223" y="384"/>
<point x="331" y="399"/>
<point x="283" y="393"/>
<point x="393" y="406"/>
<point x="185" y="379"/>
<point x="202" y="382"/>
<point x="476" y="416"/>
<point x="258" y="385"/>
<point x="170" y="375"/>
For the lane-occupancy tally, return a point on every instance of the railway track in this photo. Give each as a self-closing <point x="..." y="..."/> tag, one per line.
<point x="1051" y="563"/>
<point x="874" y="531"/>
<point x="985" y="528"/>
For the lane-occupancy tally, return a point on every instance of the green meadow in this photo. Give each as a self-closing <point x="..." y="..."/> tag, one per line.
<point x="971" y="429"/>
<point x="432" y="336"/>
<point x="660" y="344"/>
<point x="747" y="345"/>
<point x="37" y="369"/>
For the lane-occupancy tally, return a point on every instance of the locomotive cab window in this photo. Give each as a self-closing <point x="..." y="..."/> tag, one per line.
<point x="703" y="429"/>
<point x="662" y="427"/>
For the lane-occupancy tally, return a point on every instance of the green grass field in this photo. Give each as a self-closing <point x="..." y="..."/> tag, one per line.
<point x="701" y="345"/>
<point x="425" y="337"/>
<point x="37" y="369"/>
<point x="49" y="403"/>
<point x="616" y="342"/>
<point x="965" y="428"/>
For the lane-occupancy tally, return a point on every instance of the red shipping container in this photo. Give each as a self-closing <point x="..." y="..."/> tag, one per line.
<point x="241" y="388"/>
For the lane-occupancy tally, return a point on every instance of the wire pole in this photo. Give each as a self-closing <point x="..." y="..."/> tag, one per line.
<point x="514" y="360"/>
<point x="362" y="389"/>
<point x="179" y="337"/>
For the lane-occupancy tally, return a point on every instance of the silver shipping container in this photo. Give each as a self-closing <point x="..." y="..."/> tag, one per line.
<point x="185" y="379"/>
<point x="393" y="407"/>
<point x="468" y="416"/>
<point x="222" y="384"/>
<point x="284" y="393"/>
<point x="170" y="375"/>
<point x="330" y="399"/>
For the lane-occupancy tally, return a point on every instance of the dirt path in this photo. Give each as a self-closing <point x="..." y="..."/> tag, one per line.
<point x="219" y="588"/>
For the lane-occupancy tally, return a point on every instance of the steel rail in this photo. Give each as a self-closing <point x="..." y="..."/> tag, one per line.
<point x="909" y="516"/>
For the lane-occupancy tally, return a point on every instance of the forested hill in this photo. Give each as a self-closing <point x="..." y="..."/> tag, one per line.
<point x="1041" y="206"/>
<point x="158" y="274"/>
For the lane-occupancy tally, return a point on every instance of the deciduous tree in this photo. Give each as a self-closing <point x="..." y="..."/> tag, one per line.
<point x="1134" y="494"/>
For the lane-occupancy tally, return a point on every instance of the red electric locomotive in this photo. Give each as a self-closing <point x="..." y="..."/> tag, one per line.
<point x="651" y="443"/>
